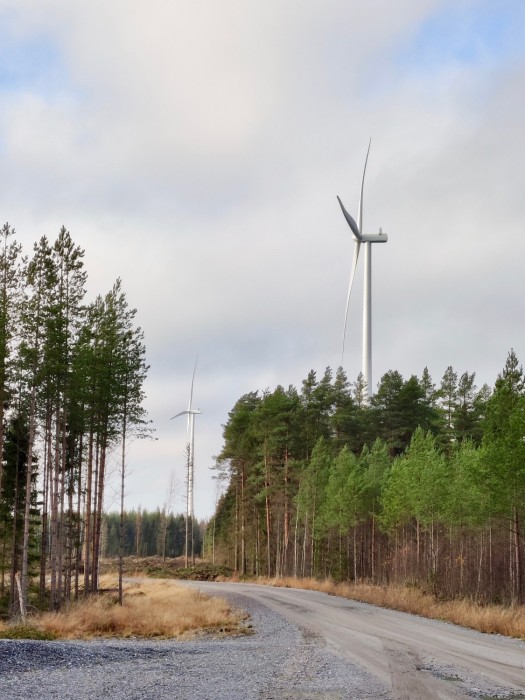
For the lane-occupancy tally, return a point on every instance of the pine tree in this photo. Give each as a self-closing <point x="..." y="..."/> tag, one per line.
<point x="10" y="301"/>
<point x="342" y="506"/>
<point x="310" y="500"/>
<point x="448" y="393"/>
<point x="504" y="460"/>
<point x="346" y="419"/>
<point x="34" y="377"/>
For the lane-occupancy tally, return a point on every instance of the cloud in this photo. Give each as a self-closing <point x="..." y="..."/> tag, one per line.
<point x="195" y="150"/>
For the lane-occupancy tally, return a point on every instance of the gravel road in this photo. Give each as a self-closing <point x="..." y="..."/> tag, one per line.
<point x="282" y="659"/>
<point x="276" y="661"/>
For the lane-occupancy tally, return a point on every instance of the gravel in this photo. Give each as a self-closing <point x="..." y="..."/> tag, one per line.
<point x="278" y="661"/>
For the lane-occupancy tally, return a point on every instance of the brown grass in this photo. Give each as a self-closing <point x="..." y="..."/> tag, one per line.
<point x="495" y="619"/>
<point x="160" y="609"/>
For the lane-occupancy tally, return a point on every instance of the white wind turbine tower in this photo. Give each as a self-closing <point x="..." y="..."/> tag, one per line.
<point x="366" y="240"/>
<point x="191" y="413"/>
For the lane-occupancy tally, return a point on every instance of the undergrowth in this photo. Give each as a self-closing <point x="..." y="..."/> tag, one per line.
<point x="151" y="609"/>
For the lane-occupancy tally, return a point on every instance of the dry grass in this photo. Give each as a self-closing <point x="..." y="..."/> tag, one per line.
<point x="160" y="609"/>
<point x="495" y="619"/>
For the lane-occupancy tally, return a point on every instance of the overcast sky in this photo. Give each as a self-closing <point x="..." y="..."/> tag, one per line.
<point x="195" y="149"/>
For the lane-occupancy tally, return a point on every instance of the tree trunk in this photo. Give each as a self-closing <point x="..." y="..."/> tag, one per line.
<point x="98" y="514"/>
<point x="517" y="558"/>
<point x="121" y="522"/>
<point x="27" y="505"/>
<point x="88" y="518"/>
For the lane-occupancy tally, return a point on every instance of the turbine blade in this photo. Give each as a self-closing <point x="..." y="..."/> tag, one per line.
<point x="182" y="413"/>
<point x="192" y="381"/>
<point x="360" y="212"/>
<point x="357" y="246"/>
<point x="350" y="221"/>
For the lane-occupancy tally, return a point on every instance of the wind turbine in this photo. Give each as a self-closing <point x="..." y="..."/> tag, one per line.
<point x="366" y="240"/>
<point x="191" y="413"/>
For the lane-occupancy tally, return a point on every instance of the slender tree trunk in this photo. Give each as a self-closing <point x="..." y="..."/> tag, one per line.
<point x="258" y="540"/>
<point x="78" y="535"/>
<point x="3" y="560"/>
<point x="94" y="513"/>
<point x="480" y="565"/>
<point x="98" y="520"/>
<point x="55" y="501"/>
<point x="286" y="516"/>
<point x="312" y="544"/>
<point x="355" y="553"/>
<point x="62" y="529"/>
<point x="87" y="517"/>
<point x="121" y="523"/>
<point x="243" y="520"/>
<point x="373" y="548"/>
<point x="71" y="528"/>
<point x="491" y="564"/>
<point x="27" y="506"/>
<point x="46" y="507"/>
<point x="268" y="517"/>
<point x="295" y="544"/>
<point x="14" y="550"/>
<point x="278" y="548"/>
<point x="305" y="539"/>
<point x="517" y="558"/>
<point x="418" y="548"/>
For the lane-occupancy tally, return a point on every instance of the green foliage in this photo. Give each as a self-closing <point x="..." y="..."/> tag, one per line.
<point x="469" y="500"/>
<point x="312" y="488"/>
<point x="398" y="408"/>
<point x="71" y="380"/>
<point x="343" y="492"/>
<point x="141" y="534"/>
<point x="504" y="443"/>
<point x="417" y="484"/>
<point x="25" y="631"/>
<point x="13" y="494"/>
<point x="375" y="463"/>
<point x="440" y="471"/>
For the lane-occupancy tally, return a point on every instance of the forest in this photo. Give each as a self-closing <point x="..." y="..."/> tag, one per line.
<point x="158" y="533"/>
<point x="423" y="484"/>
<point x="71" y="377"/>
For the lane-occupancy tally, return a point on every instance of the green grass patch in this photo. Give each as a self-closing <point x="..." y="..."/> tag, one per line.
<point x="22" y="631"/>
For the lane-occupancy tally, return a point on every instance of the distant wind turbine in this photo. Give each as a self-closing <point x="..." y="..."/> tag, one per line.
<point x="366" y="240"/>
<point x="191" y="413"/>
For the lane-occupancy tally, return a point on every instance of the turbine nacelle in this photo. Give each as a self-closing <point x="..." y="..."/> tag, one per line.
<point x="374" y="237"/>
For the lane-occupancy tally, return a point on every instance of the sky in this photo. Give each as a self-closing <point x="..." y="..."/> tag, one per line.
<point x="195" y="150"/>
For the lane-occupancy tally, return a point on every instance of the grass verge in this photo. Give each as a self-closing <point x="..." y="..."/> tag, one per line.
<point x="151" y="609"/>
<point x="494" y="619"/>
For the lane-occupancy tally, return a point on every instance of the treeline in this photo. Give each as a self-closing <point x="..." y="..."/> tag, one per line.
<point x="71" y="377"/>
<point x="423" y="484"/>
<point x="149" y="533"/>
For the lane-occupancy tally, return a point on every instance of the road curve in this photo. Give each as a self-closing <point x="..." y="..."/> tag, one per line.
<point x="417" y="658"/>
